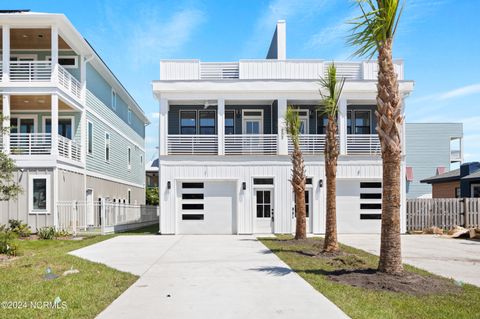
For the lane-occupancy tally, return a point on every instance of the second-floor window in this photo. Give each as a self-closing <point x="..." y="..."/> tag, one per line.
<point x="322" y="122"/>
<point x="129" y="158"/>
<point x="230" y="122"/>
<point x="207" y="122"/>
<point x="114" y="99"/>
<point x="362" y="122"/>
<point x="90" y="138"/>
<point x="129" y="116"/>
<point x="188" y="122"/>
<point x="107" y="147"/>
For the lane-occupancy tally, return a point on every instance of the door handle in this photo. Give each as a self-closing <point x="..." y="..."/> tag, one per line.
<point x="273" y="217"/>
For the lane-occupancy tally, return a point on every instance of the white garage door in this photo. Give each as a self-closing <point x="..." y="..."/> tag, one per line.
<point x="359" y="206"/>
<point x="206" y="207"/>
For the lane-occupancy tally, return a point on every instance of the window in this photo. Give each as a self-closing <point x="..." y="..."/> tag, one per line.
<point x="349" y="122"/>
<point x="192" y="217"/>
<point x="129" y="158"/>
<point x="67" y="61"/>
<point x="129" y="196"/>
<point x="39" y="194"/>
<point x="206" y="122"/>
<point x="129" y="116"/>
<point x="192" y="206"/>
<point x="192" y="196"/>
<point x="370" y="216"/>
<point x="188" y="122"/>
<point x="263" y="181"/>
<point x="457" y="192"/>
<point x="371" y="196"/>
<point x="362" y="122"/>
<point x="263" y="204"/>
<point x="475" y="190"/>
<point x="114" y="100"/>
<point x="371" y="206"/>
<point x="192" y="185"/>
<point x="252" y="122"/>
<point x="141" y="159"/>
<point x="322" y="121"/>
<point x="107" y="147"/>
<point x="229" y="122"/>
<point x="371" y="185"/>
<point x="64" y="127"/>
<point x="90" y="138"/>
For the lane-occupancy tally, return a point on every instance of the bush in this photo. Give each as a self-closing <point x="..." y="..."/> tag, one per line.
<point x="151" y="196"/>
<point x="19" y="228"/>
<point x="62" y="233"/>
<point x="46" y="232"/>
<point x="8" y="241"/>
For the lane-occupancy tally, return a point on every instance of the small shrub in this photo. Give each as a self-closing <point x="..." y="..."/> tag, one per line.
<point x="8" y="241"/>
<point x="21" y="229"/>
<point x="46" y="232"/>
<point x="62" y="233"/>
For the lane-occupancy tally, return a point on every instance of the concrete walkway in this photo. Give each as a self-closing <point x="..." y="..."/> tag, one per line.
<point x="451" y="258"/>
<point x="206" y="277"/>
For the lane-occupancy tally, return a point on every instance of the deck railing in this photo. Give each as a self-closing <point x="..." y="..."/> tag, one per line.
<point x="30" y="71"/>
<point x="219" y="70"/>
<point x="69" y="149"/>
<point x="192" y="144"/>
<point x="363" y="144"/>
<point x="310" y="144"/>
<point x="251" y="144"/>
<point x="68" y="82"/>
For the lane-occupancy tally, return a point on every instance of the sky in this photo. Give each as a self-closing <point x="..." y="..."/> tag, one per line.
<point x="439" y="41"/>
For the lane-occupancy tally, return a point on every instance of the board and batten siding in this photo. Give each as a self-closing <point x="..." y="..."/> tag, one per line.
<point x="117" y="167"/>
<point x="428" y="147"/>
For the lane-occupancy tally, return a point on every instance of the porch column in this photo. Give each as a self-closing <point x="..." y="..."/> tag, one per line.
<point x="54" y="126"/>
<point x="342" y="125"/>
<point x="83" y="118"/>
<point x="6" y="53"/>
<point x="163" y="127"/>
<point x="221" y="126"/>
<point x="6" y="123"/>
<point x="54" y="34"/>
<point x="282" y="127"/>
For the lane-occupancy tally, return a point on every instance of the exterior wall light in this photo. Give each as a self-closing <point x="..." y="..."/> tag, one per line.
<point x="244" y="185"/>
<point x="320" y="183"/>
<point x="169" y="185"/>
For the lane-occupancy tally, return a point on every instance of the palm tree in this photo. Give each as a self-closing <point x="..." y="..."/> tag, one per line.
<point x="334" y="88"/>
<point x="373" y="32"/>
<point x="298" y="181"/>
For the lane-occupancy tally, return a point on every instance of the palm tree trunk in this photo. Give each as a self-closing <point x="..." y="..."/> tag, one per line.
<point x="389" y="125"/>
<point x="298" y="184"/>
<point x="331" y="155"/>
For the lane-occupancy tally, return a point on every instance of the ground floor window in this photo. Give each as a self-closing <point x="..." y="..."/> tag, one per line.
<point x="264" y="203"/>
<point x="39" y="194"/>
<point x="475" y="190"/>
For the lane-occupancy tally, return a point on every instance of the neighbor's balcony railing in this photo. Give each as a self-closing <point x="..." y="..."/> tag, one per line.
<point x="192" y="144"/>
<point x="310" y="144"/>
<point x="42" y="71"/>
<point x="41" y="144"/>
<point x="363" y="144"/>
<point x="251" y="144"/>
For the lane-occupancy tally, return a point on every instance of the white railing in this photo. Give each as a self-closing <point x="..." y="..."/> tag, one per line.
<point x="455" y="155"/>
<point x="68" y="82"/>
<point x="363" y="144"/>
<point x="219" y="70"/>
<point x="69" y="149"/>
<point x="310" y="144"/>
<point x="277" y="69"/>
<point x="30" y="71"/>
<point x="251" y="144"/>
<point x="30" y="143"/>
<point x="192" y="144"/>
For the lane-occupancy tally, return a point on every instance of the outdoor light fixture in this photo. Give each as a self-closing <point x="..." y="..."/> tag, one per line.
<point x="320" y="183"/>
<point x="169" y="185"/>
<point x="244" y="185"/>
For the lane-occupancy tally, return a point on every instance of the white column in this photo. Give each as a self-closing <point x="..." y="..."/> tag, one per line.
<point x="6" y="52"/>
<point x="54" y="34"/>
<point x="6" y="123"/>
<point x="282" y="127"/>
<point x="221" y="126"/>
<point x="54" y="125"/>
<point x="83" y="118"/>
<point x="163" y="127"/>
<point x="342" y="125"/>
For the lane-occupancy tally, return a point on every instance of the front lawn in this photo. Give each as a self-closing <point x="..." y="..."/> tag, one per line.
<point x="366" y="303"/>
<point x="83" y="295"/>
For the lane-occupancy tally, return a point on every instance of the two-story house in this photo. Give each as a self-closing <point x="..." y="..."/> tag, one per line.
<point x="76" y="134"/>
<point x="224" y="151"/>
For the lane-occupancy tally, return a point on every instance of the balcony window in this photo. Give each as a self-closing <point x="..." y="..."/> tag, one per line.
<point x="67" y="61"/>
<point x="129" y="116"/>
<point x="90" y="138"/>
<point x="114" y="100"/>
<point x="349" y="122"/>
<point x="64" y="127"/>
<point x="322" y="122"/>
<point x="362" y="122"/>
<point x="229" y="122"/>
<point x="206" y="122"/>
<point x="188" y="122"/>
<point x="107" y="147"/>
<point x="129" y="158"/>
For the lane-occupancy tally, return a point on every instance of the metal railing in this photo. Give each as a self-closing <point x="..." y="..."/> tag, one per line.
<point x="30" y="71"/>
<point x="68" y="82"/>
<point x="251" y="144"/>
<point x="30" y="143"/>
<point x="192" y="144"/>
<point x="363" y="144"/>
<point x="310" y="144"/>
<point x="219" y="70"/>
<point x="69" y="149"/>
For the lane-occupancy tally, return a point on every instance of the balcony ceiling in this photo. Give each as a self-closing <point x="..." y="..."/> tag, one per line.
<point x="22" y="39"/>
<point x="33" y="102"/>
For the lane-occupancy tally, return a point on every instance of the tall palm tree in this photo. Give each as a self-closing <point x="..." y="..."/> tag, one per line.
<point x="298" y="180"/>
<point x="373" y="32"/>
<point x="333" y="88"/>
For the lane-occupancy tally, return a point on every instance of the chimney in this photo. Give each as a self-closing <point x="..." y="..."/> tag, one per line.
<point x="469" y="168"/>
<point x="278" y="46"/>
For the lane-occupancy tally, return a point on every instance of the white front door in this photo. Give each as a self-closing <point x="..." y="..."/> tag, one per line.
<point x="252" y="122"/>
<point x="264" y="211"/>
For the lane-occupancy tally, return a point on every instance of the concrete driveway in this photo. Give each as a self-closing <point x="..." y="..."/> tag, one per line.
<point x="206" y="277"/>
<point x="451" y="258"/>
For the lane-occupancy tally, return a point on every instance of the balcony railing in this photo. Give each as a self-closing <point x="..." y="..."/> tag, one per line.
<point x="310" y="144"/>
<point x="68" y="82"/>
<point x="192" y="144"/>
<point x="41" y="144"/>
<point x="363" y="144"/>
<point x="219" y="70"/>
<point x="251" y="144"/>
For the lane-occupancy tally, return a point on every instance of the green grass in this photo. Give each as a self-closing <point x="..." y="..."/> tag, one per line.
<point x="363" y="303"/>
<point x="86" y="294"/>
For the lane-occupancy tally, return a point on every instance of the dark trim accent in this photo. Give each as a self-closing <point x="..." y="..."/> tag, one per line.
<point x="192" y="185"/>
<point x="192" y="196"/>
<point x="192" y="206"/>
<point x="371" y="196"/>
<point x="370" y="216"/>
<point x="263" y="181"/>
<point x="192" y="217"/>
<point x="309" y="181"/>
<point x="370" y="185"/>
<point x="371" y="206"/>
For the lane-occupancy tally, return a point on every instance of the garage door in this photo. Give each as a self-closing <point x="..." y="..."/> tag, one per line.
<point x="359" y="205"/>
<point x="206" y="207"/>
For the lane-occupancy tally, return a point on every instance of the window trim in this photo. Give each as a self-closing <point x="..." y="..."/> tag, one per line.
<point x="113" y="99"/>
<point x="89" y="152"/>
<point x="48" y="206"/>
<point x="74" y="57"/>
<point x="107" y="160"/>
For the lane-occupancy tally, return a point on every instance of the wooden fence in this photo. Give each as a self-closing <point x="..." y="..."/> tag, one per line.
<point x="443" y="212"/>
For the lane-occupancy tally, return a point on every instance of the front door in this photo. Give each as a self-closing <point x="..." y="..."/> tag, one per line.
<point x="264" y="211"/>
<point x="252" y="122"/>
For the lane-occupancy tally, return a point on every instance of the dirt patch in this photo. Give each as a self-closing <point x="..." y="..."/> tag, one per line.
<point x="349" y="261"/>
<point x="408" y="283"/>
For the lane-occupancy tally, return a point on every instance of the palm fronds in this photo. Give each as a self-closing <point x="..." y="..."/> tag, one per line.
<point x="334" y="88"/>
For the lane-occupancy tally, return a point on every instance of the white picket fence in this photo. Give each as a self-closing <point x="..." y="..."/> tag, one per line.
<point x="443" y="213"/>
<point x="104" y="217"/>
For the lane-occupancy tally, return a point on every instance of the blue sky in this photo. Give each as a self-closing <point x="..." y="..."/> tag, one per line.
<point x="438" y="39"/>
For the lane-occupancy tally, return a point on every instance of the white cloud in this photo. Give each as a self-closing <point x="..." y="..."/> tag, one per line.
<point x="455" y="93"/>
